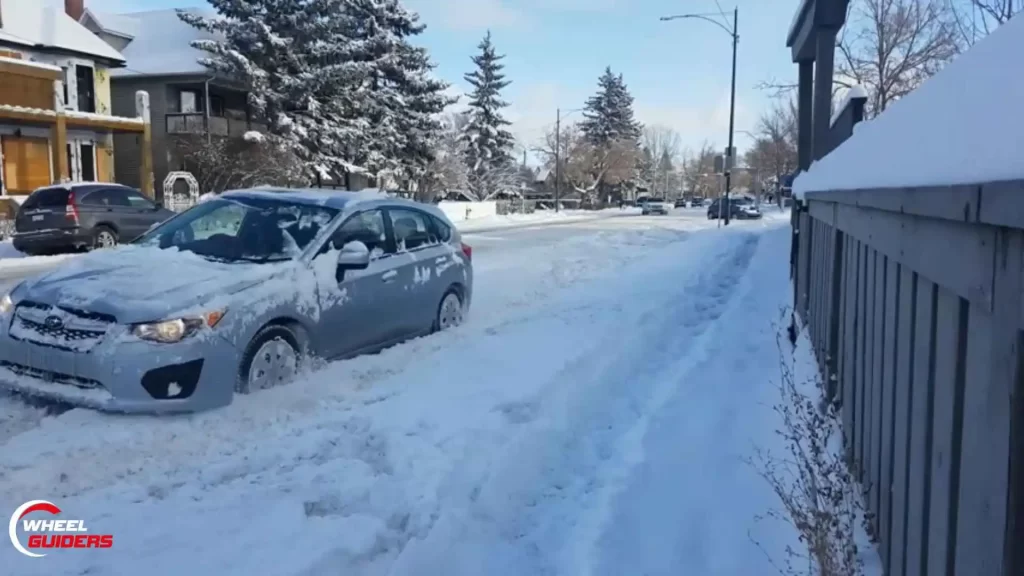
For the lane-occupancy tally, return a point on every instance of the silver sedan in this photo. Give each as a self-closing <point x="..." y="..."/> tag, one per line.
<point x="232" y="296"/>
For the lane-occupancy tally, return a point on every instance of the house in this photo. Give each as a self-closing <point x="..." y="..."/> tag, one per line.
<point x="186" y="100"/>
<point x="56" y="123"/>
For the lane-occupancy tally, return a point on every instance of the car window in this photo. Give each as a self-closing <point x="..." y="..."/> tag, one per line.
<point x="243" y="229"/>
<point x="117" y="197"/>
<point x="366" y="227"/>
<point x="97" y="198"/>
<point x="226" y="219"/>
<point x="412" y="229"/>
<point x="443" y="231"/>
<point x="137" y="200"/>
<point x="46" y="198"/>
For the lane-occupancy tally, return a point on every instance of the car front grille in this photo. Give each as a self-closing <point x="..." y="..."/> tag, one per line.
<point x="59" y="327"/>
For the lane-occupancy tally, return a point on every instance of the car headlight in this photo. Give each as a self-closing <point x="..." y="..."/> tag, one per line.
<point x="172" y="331"/>
<point x="6" y="304"/>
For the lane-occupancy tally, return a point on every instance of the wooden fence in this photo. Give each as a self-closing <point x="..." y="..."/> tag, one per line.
<point x="913" y="301"/>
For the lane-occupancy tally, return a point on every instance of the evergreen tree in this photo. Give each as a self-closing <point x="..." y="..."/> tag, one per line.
<point x="646" y="169"/>
<point x="665" y="174"/>
<point x="489" y="143"/>
<point x="336" y="78"/>
<point x="608" y="115"/>
<point x="405" y="100"/>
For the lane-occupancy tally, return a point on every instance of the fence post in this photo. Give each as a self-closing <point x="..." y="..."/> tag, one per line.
<point x="832" y="352"/>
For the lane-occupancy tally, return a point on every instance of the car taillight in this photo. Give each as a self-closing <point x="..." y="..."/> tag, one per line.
<point x="467" y="250"/>
<point x="71" y="210"/>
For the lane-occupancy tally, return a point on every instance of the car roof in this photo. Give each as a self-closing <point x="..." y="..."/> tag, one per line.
<point x="337" y="199"/>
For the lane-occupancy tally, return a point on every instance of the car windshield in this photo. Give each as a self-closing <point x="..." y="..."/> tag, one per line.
<point x="243" y="229"/>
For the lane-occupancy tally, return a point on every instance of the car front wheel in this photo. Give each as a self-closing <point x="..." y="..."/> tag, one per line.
<point x="271" y="359"/>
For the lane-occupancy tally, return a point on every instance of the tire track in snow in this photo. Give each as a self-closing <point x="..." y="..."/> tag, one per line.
<point x="540" y="509"/>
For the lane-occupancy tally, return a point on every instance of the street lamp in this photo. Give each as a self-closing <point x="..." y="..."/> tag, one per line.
<point x="734" y="34"/>
<point x="558" y="153"/>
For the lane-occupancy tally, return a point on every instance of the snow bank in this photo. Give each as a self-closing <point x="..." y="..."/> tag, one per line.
<point x="962" y="126"/>
<point x="459" y="211"/>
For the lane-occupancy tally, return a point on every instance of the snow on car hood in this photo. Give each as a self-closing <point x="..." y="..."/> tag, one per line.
<point x="142" y="284"/>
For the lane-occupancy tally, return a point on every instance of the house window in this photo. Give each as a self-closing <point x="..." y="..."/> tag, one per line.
<point x="65" y="85"/>
<point x="216" y="106"/>
<point x="86" y="88"/>
<point x="188" y="101"/>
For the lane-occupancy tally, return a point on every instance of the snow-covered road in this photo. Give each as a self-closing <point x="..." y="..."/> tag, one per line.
<point x="590" y="418"/>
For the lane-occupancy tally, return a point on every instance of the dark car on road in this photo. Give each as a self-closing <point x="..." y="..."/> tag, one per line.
<point x="739" y="208"/>
<point x="67" y="217"/>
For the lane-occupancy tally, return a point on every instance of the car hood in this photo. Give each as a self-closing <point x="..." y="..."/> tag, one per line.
<point x="136" y="284"/>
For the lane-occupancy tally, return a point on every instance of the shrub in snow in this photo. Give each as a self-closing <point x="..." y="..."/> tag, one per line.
<point x="819" y="495"/>
<point x="228" y="163"/>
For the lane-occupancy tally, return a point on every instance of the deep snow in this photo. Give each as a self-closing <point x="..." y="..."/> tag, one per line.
<point x="590" y="418"/>
<point x="961" y="126"/>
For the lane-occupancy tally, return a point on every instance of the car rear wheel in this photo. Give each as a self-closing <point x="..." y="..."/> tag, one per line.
<point x="449" y="312"/>
<point x="271" y="359"/>
<point x="104" y="237"/>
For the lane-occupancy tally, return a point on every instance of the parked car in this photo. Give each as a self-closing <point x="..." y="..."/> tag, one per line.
<point x="740" y="208"/>
<point x="656" y="206"/>
<point x="681" y="203"/>
<point x="234" y="295"/>
<point x="83" y="216"/>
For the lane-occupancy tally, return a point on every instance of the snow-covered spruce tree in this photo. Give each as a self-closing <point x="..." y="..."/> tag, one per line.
<point x="336" y="78"/>
<point x="614" y="133"/>
<point x="488" y="141"/>
<point x="295" y="61"/>
<point x="608" y="115"/>
<point x="404" y="100"/>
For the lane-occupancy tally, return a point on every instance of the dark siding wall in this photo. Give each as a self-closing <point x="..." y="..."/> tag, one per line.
<point x="126" y="146"/>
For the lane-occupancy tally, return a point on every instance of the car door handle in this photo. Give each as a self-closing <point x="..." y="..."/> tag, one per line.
<point x="389" y="276"/>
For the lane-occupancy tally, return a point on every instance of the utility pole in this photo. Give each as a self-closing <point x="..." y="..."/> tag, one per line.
<point x="735" y="35"/>
<point x="558" y="157"/>
<point x="732" y="112"/>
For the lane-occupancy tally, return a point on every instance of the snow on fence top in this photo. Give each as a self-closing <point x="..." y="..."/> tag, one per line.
<point x="852" y="93"/>
<point x="962" y="126"/>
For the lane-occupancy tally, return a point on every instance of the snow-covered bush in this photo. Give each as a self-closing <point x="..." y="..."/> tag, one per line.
<point x="221" y="164"/>
<point x="818" y="492"/>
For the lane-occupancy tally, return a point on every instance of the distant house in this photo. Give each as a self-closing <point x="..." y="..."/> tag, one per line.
<point x="56" y="121"/>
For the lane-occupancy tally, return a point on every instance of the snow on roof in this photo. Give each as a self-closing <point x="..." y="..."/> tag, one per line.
<point x="542" y="176"/>
<point x="117" y="24"/>
<point x="962" y="126"/>
<point x="20" y="62"/>
<point x="161" y="44"/>
<point x="31" y="23"/>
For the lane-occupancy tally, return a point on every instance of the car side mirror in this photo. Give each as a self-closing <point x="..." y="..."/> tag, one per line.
<point x="354" y="256"/>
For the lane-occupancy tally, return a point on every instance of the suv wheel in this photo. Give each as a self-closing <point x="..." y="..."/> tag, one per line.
<point x="104" y="237"/>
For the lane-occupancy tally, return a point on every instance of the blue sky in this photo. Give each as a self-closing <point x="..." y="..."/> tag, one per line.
<point x="677" y="71"/>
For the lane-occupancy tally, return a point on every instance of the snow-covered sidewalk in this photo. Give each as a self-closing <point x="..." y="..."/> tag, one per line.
<point x="590" y="418"/>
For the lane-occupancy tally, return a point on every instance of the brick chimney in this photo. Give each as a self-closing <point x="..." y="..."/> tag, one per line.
<point x="74" y="8"/>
